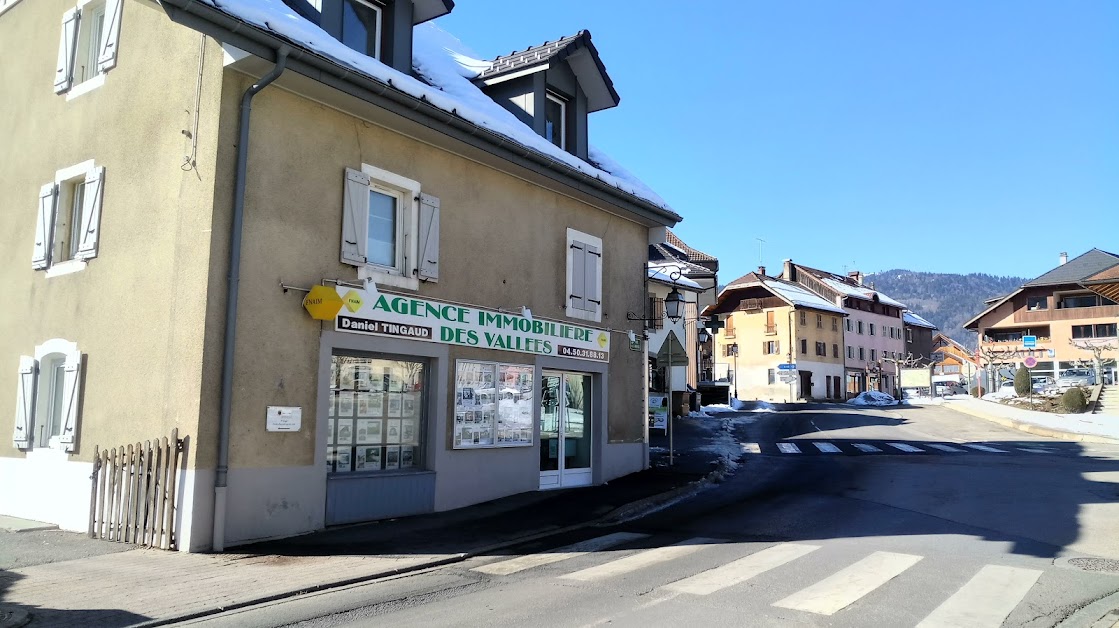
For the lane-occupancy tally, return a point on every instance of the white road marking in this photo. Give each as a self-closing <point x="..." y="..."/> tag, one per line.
<point x="828" y="448"/>
<point x="751" y="448"/>
<point x="788" y="448"/>
<point x="640" y="560"/>
<point x="847" y="586"/>
<point x="950" y="448"/>
<point x="909" y="449"/>
<point x="985" y="448"/>
<point x="741" y="570"/>
<point x="1035" y="450"/>
<point x="870" y="449"/>
<point x="986" y="599"/>
<point x="528" y="561"/>
<point x="815" y="426"/>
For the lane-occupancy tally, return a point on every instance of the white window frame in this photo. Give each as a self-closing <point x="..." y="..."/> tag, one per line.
<point x="380" y="11"/>
<point x="556" y="98"/>
<point x="88" y="51"/>
<point x="403" y="275"/>
<point x="7" y="4"/>
<point x="571" y="311"/>
<point x="69" y="351"/>
<point x="64" y="180"/>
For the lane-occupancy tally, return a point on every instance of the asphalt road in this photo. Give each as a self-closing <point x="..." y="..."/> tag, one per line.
<point x="837" y="517"/>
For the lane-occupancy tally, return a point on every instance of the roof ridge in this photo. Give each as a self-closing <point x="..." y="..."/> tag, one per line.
<point x="546" y="43"/>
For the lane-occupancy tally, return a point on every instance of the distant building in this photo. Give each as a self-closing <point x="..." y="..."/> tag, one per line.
<point x="771" y="322"/>
<point x="958" y="366"/>
<point x="872" y="329"/>
<point x="1064" y="312"/>
<point x="918" y="338"/>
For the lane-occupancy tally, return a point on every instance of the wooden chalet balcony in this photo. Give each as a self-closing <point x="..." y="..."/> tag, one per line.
<point x="1066" y="314"/>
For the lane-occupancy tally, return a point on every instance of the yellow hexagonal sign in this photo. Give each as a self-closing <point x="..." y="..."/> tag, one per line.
<point x="353" y="301"/>
<point x="323" y="303"/>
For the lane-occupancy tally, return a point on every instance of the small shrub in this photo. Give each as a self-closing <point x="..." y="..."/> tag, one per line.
<point x="1073" y="400"/>
<point x="1023" y="386"/>
<point x="977" y="391"/>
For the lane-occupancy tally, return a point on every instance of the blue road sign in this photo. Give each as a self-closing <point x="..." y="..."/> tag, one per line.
<point x="786" y="367"/>
<point x="1029" y="342"/>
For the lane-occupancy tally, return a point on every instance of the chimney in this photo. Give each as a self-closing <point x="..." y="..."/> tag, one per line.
<point x="788" y="273"/>
<point x="761" y="271"/>
<point x="857" y="276"/>
<point x="1064" y="258"/>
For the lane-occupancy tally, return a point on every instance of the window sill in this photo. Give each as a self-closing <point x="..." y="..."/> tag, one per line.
<point x="388" y="279"/>
<point x="66" y="268"/>
<point x="85" y="87"/>
<point x="594" y="317"/>
<point x="53" y="453"/>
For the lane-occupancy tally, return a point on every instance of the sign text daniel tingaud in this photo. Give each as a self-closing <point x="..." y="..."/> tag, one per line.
<point x="411" y="317"/>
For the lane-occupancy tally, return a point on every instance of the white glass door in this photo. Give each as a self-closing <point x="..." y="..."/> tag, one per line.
<point x="565" y="429"/>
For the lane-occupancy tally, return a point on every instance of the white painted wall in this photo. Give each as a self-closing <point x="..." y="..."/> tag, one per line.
<point x="47" y="486"/>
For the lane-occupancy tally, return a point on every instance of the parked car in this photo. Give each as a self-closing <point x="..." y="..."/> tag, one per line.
<point x="1043" y="383"/>
<point x="1007" y="387"/>
<point x="1076" y="377"/>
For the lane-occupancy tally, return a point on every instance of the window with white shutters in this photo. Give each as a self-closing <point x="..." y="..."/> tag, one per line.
<point x="87" y="47"/>
<point x="48" y="397"/>
<point x="390" y="230"/>
<point x="584" y="276"/>
<point x="68" y="219"/>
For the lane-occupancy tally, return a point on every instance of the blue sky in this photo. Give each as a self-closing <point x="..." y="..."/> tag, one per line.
<point x="948" y="136"/>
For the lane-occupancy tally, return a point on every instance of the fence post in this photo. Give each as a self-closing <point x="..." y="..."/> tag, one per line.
<point x="93" y="493"/>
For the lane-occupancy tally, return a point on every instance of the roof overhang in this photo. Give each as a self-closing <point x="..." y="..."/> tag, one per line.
<point x="346" y="81"/>
<point x="974" y="322"/>
<point x="426" y="10"/>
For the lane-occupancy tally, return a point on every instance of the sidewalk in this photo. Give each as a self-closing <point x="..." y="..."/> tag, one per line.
<point x="152" y="587"/>
<point x="1085" y="428"/>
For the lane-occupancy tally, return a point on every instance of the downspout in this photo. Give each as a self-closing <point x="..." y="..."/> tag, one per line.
<point x="221" y="476"/>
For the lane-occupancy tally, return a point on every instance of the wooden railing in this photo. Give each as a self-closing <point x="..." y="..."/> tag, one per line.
<point x="132" y="499"/>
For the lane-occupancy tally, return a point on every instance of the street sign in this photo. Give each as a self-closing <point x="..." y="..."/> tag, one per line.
<point x="787" y="367"/>
<point x="1030" y="362"/>
<point x="788" y="379"/>
<point x="1029" y="342"/>
<point x="937" y="356"/>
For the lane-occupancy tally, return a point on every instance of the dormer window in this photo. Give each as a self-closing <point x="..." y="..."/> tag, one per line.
<point x="361" y="26"/>
<point x="555" y="112"/>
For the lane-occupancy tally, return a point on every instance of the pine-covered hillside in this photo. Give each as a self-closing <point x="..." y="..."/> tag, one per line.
<point x="946" y="300"/>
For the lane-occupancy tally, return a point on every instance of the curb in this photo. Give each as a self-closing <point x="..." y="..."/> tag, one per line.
<point x="632" y="507"/>
<point x="1036" y="430"/>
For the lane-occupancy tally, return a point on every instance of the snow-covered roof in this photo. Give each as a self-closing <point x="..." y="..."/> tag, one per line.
<point x="662" y="272"/>
<point x="798" y="295"/>
<point x="859" y="292"/>
<point x="913" y="319"/>
<point x="448" y="68"/>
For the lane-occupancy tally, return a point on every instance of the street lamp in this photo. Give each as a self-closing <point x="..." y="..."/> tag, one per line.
<point x="734" y="352"/>
<point x="673" y="302"/>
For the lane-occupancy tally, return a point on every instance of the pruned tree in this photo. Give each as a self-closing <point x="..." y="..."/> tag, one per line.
<point x="1097" y="348"/>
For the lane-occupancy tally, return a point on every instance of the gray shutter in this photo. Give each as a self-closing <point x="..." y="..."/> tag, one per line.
<point x="592" y="272"/>
<point x="25" y="402"/>
<point x="44" y="226"/>
<point x="91" y="213"/>
<point x="577" y="297"/>
<point x="67" y="45"/>
<point x="71" y="395"/>
<point x="355" y="218"/>
<point x="110" y="33"/>
<point x="429" y="238"/>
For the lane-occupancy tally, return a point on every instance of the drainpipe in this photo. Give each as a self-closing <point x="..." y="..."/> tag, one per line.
<point x="221" y="477"/>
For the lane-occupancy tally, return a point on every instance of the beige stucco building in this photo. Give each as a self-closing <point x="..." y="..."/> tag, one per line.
<point x="774" y="328"/>
<point x="1061" y="319"/>
<point x="483" y="263"/>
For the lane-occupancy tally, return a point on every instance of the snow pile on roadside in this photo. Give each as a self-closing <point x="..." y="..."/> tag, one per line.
<point x="1000" y="394"/>
<point x="737" y="405"/>
<point x="873" y="398"/>
<point x="699" y="414"/>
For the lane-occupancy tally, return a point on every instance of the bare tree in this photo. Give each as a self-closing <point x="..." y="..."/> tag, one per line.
<point x="1097" y="348"/>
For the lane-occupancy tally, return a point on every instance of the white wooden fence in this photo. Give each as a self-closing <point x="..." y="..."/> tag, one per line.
<point x="132" y="499"/>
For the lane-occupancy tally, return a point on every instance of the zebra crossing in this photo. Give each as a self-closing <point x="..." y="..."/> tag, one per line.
<point x="891" y="448"/>
<point x="983" y="601"/>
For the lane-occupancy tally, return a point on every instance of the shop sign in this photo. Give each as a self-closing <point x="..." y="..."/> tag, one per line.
<point x="284" y="418"/>
<point x="658" y="412"/>
<point x="415" y="318"/>
<point x="323" y="302"/>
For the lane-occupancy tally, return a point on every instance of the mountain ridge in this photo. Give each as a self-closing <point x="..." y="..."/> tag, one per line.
<point x="947" y="300"/>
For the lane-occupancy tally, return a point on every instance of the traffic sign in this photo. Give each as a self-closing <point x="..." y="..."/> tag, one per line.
<point x="789" y="379"/>
<point x="1030" y="362"/>
<point x="787" y="367"/>
<point x="1029" y="342"/>
<point x="937" y="356"/>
